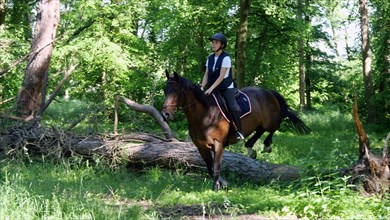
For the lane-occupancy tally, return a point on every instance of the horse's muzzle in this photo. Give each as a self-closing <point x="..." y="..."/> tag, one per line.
<point x="167" y="116"/>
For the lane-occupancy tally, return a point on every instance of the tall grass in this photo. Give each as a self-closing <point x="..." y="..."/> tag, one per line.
<point x="77" y="189"/>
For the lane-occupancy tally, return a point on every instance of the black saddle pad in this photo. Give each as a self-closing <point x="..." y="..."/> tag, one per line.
<point x="242" y="100"/>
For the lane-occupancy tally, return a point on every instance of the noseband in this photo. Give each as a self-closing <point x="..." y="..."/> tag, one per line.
<point x="183" y="92"/>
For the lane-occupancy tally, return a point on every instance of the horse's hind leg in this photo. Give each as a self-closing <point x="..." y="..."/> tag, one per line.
<point x="249" y="144"/>
<point x="267" y="143"/>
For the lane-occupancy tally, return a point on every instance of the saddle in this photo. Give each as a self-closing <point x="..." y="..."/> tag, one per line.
<point x="242" y="100"/>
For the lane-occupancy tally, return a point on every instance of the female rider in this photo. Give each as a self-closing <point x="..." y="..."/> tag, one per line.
<point x="219" y="76"/>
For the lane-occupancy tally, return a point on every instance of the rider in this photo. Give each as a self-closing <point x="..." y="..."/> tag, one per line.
<point x="219" y="76"/>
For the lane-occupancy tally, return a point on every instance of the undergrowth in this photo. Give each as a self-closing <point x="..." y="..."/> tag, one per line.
<point x="75" y="188"/>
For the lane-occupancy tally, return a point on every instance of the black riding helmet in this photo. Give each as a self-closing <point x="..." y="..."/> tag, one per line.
<point x="220" y="37"/>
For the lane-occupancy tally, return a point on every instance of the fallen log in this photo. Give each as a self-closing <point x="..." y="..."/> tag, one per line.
<point x="138" y="150"/>
<point x="173" y="153"/>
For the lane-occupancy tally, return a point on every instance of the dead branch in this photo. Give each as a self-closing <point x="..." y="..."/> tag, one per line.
<point x="151" y="111"/>
<point x="15" y="118"/>
<point x="363" y="139"/>
<point x="370" y="171"/>
<point x="59" y="86"/>
<point x="76" y="122"/>
<point x="116" y="115"/>
<point x="7" y="100"/>
<point x="33" y="53"/>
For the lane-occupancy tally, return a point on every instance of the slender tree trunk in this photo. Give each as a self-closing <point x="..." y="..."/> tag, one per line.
<point x="347" y="48"/>
<point x="331" y="17"/>
<point x="181" y="63"/>
<point x="44" y="34"/>
<point x="202" y="53"/>
<point x="308" y="64"/>
<point x="367" y="60"/>
<point x="301" y="55"/>
<point x="336" y="45"/>
<point x="346" y="23"/>
<point x="385" y="61"/>
<point x="241" y="41"/>
<point x="3" y="12"/>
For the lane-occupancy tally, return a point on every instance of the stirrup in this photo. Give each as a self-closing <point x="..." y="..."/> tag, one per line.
<point x="240" y="136"/>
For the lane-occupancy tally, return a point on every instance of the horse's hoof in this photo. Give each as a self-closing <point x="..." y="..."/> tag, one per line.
<point x="253" y="155"/>
<point x="220" y="184"/>
<point x="224" y="184"/>
<point x="267" y="149"/>
<point x="217" y="186"/>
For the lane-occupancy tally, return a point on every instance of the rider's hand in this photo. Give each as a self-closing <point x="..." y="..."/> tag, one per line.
<point x="208" y="92"/>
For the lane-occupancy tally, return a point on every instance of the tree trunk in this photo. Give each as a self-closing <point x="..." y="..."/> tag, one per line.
<point x="346" y="33"/>
<point x="331" y="15"/>
<point x="3" y="12"/>
<point x="370" y="171"/>
<point x="199" y="39"/>
<point x="384" y="60"/>
<point x="29" y="97"/>
<point x="308" y="60"/>
<point x="301" y="57"/>
<point x="367" y="60"/>
<point x="241" y="42"/>
<point x="170" y="154"/>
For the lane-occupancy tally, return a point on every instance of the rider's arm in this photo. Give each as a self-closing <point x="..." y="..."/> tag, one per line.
<point x="218" y="81"/>
<point x="204" y="80"/>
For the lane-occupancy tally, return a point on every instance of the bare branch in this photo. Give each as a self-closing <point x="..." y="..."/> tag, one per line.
<point x="7" y="100"/>
<point x="151" y="111"/>
<point x="33" y="53"/>
<point x="385" y="147"/>
<point x="364" y="143"/>
<point x="57" y="89"/>
<point x="16" y="118"/>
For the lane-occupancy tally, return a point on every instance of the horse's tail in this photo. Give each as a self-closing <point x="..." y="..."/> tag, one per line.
<point x="286" y="112"/>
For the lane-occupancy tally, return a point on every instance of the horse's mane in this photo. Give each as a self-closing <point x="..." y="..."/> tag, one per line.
<point x="199" y="94"/>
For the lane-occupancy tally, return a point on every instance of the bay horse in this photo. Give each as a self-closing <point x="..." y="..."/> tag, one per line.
<point x="211" y="132"/>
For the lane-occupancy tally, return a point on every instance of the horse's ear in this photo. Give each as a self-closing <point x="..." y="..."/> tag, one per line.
<point x="176" y="75"/>
<point x="167" y="74"/>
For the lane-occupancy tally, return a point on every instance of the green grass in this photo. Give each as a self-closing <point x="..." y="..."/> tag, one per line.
<point x="77" y="189"/>
<point x="46" y="190"/>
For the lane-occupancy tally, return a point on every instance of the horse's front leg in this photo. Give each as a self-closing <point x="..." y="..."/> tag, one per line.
<point x="218" y="148"/>
<point x="207" y="158"/>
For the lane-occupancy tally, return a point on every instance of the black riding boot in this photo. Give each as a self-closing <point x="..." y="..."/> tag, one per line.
<point x="237" y="121"/>
<point x="234" y="110"/>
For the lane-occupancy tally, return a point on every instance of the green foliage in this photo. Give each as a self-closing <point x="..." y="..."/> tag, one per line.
<point x="12" y="46"/>
<point x="122" y="48"/>
<point x="381" y="38"/>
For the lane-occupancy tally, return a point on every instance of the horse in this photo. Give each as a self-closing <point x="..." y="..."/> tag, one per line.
<point x="211" y="132"/>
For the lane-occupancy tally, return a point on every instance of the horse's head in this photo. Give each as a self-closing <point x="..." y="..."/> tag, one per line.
<point x="174" y="95"/>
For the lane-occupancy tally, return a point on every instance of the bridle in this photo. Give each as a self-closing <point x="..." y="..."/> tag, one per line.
<point x="182" y="107"/>
<point x="182" y="93"/>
